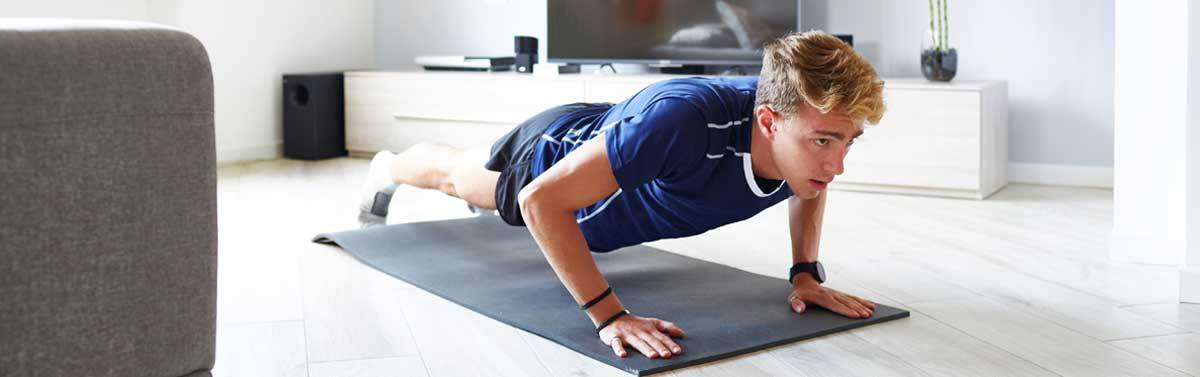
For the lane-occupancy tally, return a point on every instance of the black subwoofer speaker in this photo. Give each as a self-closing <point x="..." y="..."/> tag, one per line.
<point x="313" y="116"/>
<point x="526" y="50"/>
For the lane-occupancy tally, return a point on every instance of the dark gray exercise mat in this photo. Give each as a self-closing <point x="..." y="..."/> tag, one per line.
<point x="498" y="270"/>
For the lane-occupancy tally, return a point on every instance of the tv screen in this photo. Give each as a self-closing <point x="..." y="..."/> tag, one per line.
<point x="703" y="32"/>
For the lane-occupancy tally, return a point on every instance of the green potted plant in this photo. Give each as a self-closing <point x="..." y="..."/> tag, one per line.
<point x="939" y="61"/>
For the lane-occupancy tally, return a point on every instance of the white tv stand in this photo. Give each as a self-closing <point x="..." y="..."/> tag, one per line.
<point x="935" y="139"/>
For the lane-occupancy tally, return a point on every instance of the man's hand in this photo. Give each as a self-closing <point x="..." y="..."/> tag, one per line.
<point x="806" y="291"/>
<point x="652" y="336"/>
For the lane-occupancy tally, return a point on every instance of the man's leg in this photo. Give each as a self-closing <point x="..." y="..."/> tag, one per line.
<point x="458" y="173"/>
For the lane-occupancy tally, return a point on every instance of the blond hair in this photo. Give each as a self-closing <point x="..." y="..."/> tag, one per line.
<point x="822" y="71"/>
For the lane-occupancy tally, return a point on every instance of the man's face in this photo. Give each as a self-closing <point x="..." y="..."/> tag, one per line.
<point x="809" y="148"/>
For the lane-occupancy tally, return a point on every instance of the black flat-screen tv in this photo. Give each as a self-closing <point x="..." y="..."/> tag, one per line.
<point x="666" y="32"/>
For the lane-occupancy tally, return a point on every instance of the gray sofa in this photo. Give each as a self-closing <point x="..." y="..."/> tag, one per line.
<point x="108" y="227"/>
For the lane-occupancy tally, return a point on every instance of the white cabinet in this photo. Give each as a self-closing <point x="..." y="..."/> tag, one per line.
<point x="616" y="89"/>
<point x="938" y="139"/>
<point x="935" y="139"/>
<point x="394" y="110"/>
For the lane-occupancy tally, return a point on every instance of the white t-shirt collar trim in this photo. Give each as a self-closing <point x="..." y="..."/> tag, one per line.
<point x="749" y="167"/>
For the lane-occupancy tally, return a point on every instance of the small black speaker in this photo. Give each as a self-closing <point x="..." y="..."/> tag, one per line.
<point x="313" y="116"/>
<point x="526" y="49"/>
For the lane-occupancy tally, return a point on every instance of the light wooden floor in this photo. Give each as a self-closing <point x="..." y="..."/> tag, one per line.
<point x="1018" y="285"/>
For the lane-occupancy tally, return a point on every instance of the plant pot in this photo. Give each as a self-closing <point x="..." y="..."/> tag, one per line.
<point x="939" y="65"/>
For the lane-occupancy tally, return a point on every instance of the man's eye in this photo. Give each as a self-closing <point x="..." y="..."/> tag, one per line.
<point x="821" y="142"/>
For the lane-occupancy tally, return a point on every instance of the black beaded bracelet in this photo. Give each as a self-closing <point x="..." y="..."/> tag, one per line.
<point x="610" y="320"/>
<point x="596" y="300"/>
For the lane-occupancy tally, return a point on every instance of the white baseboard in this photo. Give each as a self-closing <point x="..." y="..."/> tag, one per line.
<point x="1189" y="285"/>
<point x="1061" y="175"/>
<point x="228" y="156"/>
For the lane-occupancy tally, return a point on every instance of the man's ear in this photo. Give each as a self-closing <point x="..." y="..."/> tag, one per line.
<point x="764" y="121"/>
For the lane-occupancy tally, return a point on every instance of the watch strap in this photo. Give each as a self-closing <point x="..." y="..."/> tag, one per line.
<point x="803" y="267"/>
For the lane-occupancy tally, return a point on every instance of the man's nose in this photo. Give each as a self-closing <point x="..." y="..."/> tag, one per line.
<point x="836" y="165"/>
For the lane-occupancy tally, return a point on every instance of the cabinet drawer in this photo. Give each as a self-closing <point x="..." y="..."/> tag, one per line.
<point x="926" y="138"/>
<point x="398" y="134"/>
<point x="458" y="97"/>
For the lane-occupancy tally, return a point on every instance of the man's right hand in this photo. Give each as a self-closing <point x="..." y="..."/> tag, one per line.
<point x="548" y="205"/>
<point x="651" y="336"/>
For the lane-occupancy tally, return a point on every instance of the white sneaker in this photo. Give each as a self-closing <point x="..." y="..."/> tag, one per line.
<point x="378" y="188"/>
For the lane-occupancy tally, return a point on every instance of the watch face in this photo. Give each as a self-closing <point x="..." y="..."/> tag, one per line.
<point x="820" y="272"/>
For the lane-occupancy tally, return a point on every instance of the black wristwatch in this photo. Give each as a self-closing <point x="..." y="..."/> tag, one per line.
<point x="812" y="268"/>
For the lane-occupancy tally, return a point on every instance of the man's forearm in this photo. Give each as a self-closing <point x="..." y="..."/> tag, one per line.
<point x="562" y="242"/>
<point x="804" y="220"/>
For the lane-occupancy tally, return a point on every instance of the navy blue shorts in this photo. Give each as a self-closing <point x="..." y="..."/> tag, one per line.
<point x="512" y="155"/>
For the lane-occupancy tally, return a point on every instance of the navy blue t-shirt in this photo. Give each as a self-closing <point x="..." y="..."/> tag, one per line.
<point x="680" y="151"/>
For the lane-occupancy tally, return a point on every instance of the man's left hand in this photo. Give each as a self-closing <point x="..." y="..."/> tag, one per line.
<point x="806" y="291"/>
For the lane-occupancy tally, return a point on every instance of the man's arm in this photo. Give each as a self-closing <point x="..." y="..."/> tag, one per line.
<point x="804" y="219"/>
<point x="804" y="222"/>
<point x="548" y="206"/>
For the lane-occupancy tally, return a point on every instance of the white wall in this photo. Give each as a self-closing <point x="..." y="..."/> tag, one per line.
<point x="407" y="29"/>
<point x="251" y="45"/>
<point x="1056" y="55"/>
<point x="1156" y="193"/>
<point x="110" y="9"/>
<point x="1189" y="279"/>
<point x="1149" y="167"/>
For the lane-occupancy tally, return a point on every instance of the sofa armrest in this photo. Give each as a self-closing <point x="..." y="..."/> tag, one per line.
<point x="109" y="221"/>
